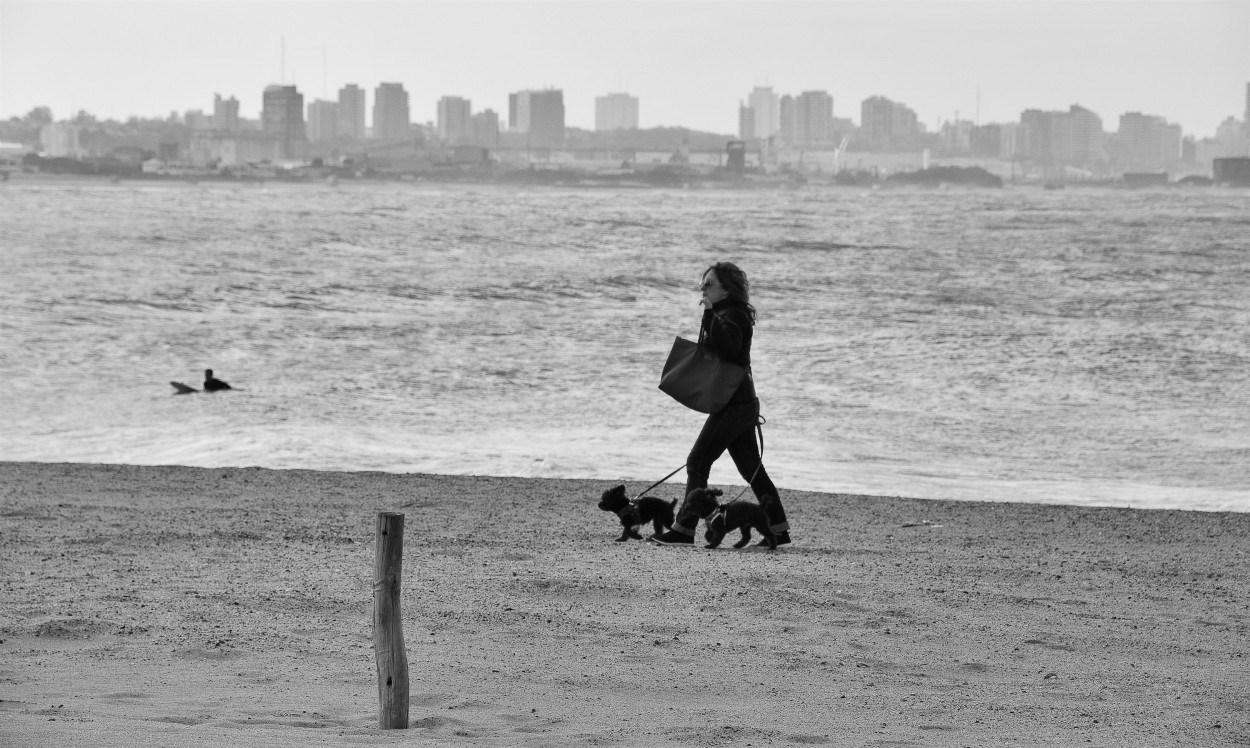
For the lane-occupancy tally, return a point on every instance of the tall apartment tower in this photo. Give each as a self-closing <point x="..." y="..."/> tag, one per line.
<point x="813" y="118"/>
<point x="767" y="108"/>
<point x="887" y="122"/>
<point x="391" y="120"/>
<point x="323" y="123"/>
<point x="352" y="111"/>
<point x="616" y="111"/>
<point x="225" y="113"/>
<point x="455" y="119"/>
<point x="1148" y="142"/>
<point x="1245" y="123"/>
<point x="282" y="116"/>
<point x="485" y="129"/>
<point x="746" y="122"/>
<point x="1087" y="137"/>
<point x="540" y="114"/>
<point x="788" y="132"/>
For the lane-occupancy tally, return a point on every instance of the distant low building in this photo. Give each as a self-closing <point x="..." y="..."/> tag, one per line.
<point x="234" y="149"/>
<point x="1234" y="172"/>
<point x="11" y="155"/>
<point x="61" y="140"/>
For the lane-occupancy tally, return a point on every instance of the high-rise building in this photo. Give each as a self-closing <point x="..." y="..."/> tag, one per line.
<point x="813" y="118"/>
<point x="225" y="113"/>
<point x="323" y="119"/>
<point x="789" y="130"/>
<point x="196" y="119"/>
<point x="957" y="136"/>
<point x="486" y="129"/>
<point x="1147" y="143"/>
<point x="885" y="123"/>
<point x="455" y="119"/>
<point x="746" y="122"/>
<point x="1087" y="137"/>
<point x="282" y="117"/>
<point x="352" y="111"/>
<point x="1245" y="124"/>
<point x="616" y="111"/>
<point x="539" y="114"/>
<point x="767" y="110"/>
<point x="391" y="120"/>
<point x="986" y="140"/>
<point x="1229" y="141"/>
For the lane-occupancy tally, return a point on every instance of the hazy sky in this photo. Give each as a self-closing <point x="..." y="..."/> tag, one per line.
<point x="689" y="63"/>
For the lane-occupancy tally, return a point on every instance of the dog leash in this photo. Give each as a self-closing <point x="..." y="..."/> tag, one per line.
<point x="653" y="485"/>
<point x="759" y="429"/>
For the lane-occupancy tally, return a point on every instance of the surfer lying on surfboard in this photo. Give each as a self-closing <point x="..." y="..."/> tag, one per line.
<point x="211" y="384"/>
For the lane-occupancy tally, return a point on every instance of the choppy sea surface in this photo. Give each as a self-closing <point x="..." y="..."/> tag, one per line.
<point x="1074" y="346"/>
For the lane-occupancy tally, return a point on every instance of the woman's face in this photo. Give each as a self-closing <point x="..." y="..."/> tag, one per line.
<point x="712" y="290"/>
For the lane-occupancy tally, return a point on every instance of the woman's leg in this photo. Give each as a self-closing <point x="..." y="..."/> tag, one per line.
<point x="746" y="456"/>
<point x="719" y="431"/>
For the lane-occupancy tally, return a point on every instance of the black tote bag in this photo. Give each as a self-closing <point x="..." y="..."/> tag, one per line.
<point x="699" y="379"/>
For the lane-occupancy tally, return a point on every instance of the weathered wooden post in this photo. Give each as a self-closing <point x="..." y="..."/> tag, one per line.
<point x="389" y="650"/>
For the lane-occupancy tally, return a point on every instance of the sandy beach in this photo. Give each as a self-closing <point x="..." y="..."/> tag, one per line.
<point x="168" y="606"/>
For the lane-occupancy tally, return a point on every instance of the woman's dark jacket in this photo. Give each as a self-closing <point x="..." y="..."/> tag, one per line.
<point x="726" y="329"/>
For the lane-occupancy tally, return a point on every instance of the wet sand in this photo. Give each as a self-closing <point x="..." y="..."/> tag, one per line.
<point x="163" y="606"/>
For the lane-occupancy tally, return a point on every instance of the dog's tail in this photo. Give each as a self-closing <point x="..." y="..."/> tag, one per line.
<point x="767" y="500"/>
<point x="672" y="504"/>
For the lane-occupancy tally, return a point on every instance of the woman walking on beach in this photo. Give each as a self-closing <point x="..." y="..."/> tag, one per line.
<point x="728" y="321"/>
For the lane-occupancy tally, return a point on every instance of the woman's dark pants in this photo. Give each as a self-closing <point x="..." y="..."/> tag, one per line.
<point x="731" y="429"/>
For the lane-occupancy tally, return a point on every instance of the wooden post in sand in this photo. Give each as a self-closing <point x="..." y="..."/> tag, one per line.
<point x="389" y="650"/>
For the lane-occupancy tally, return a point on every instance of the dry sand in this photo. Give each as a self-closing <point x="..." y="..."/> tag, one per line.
<point x="166" y="606"/>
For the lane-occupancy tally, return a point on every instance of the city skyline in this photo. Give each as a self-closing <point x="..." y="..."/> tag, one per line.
<point x="690" y="64"/>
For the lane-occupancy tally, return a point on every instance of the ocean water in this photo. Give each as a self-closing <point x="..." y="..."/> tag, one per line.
<point x="1075" y="346"/>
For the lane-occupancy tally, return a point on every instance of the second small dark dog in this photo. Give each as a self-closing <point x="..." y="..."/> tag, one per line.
<point x="723" y="518"/>
<point x="633" y="515"/>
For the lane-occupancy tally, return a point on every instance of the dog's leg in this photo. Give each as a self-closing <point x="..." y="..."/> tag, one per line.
<point x="746" y="537"/>
<point x="624" y="535"/>
<point x="769" y="537"/>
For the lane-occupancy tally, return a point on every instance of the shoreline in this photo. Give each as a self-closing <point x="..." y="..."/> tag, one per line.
<point x="230" y="606"/>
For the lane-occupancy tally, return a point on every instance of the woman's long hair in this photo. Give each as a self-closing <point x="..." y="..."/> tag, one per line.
<point x="735" y="283"/>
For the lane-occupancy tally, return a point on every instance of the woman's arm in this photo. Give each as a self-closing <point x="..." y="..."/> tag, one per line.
<point x="723" y="334"/>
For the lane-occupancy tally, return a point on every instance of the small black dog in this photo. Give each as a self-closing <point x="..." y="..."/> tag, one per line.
<point x="634" y="515"/>
<point x="722" y="518"/>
